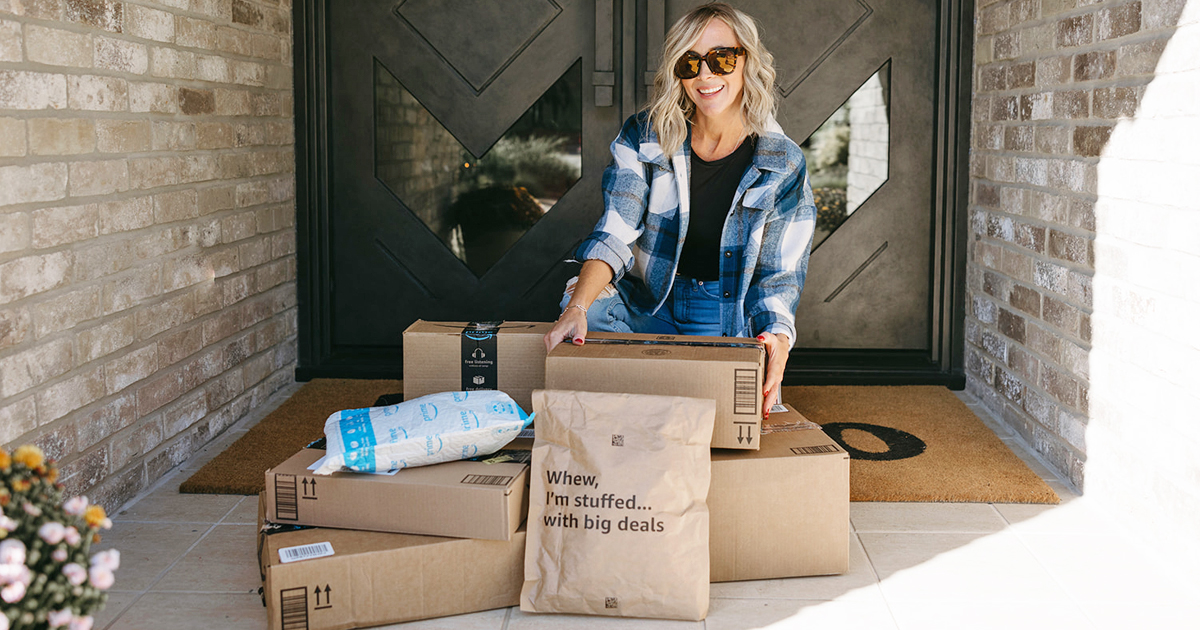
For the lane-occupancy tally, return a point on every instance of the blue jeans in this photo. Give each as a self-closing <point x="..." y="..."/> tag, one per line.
<point x="694" y="308"/>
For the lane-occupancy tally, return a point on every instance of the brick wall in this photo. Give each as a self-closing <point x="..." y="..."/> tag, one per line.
<point x="1082" y="319"/>
<point x="147" y="295"/>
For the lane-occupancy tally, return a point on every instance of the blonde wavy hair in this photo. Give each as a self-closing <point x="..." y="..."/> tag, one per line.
<point x="671" y="110"/>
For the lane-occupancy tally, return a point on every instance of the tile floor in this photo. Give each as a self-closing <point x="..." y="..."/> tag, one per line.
<point x="188" y="561"/>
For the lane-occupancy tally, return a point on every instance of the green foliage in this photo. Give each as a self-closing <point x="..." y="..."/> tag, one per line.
<point x="532" y="163"/>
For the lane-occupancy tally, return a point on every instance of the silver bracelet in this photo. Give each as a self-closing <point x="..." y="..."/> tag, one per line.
<point x="580" y="307"/>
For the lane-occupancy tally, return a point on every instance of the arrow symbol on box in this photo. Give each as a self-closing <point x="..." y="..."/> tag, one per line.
<point x="305" y="482"/>
<point x="741" y="434"/>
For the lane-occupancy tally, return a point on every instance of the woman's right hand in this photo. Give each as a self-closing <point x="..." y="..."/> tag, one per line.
<point x="572" y="325"/>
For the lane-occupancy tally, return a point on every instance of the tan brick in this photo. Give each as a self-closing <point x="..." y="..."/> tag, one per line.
<point x="105" y="339"/>
<point x="166" y="315"/>
<point x="24" y="370"/>
<point x="233" y="40"/>
<point x="57" y="47"/>
<point x="56" y="226"/>
<point x="1095" y="65"/>
<point x="198" y="168"/>
<point x="184" y="414"/>
<point x="173" y="136"/>
<point x="202" y="368"/>
<point x="66" y="311"/>
<point x="227" y="102"/>
<point x="178" y="345"/>
<point x="96" y="93"/>
<point x="175" y="206"/>
<point x="267" y="104"/>
<point x="102" y="259"/>
<point x="15" y="325"/>
<point x="34" y="274"/>
<point x="100" y="177"/>
<point x="102" y="14"/>
<point x="104" y="422"/>
<point x="125" y="214"/>
<point x="1119" y="21"/>
<point x="1089" y="141"/>
<point x="212" y="68"/>
<point x="14" y="232"/>
<point x="1071" y="104"/>
<point x="12" y="137"/>
<point x="1075" y="31"/>
<point x="172" y="63"/>
<point x="131" y="290"/>
<point x="237" y="227"/>
<point x="152" y="172"/>
<point x="214" y="8"/>
<point x="195" y="33"/>
<point x="283" y="244"/>
<point x="264" y="46"/>
<point x="120" y="55"/>
<point x="157" y="98"/>
<point x="122" y="136"/>
<point x="271" y="275"/>
<point x="140" y="439"/>
<point x="10" y="41"/>
<point x="130" y="368"/>
<point x="209" y="297"/>
<point x="222" y="326"/>
<point x="216" y="198"/>
<point x="1140" y="58"/>
<point x="208" y="233"/>
<point x="159" y="392"/>
<point x="185" y="272"/>
<point x="28" y="184"/>
<point x="148" y="23"/>
<point x="237" y="289"/>
<point x="1005" y="46"/>
<point x="17" y="419"/>
<point x="163" y="242"/>
<point x="32" y="90"/>
<point x="194" y="102"/>
<point x="61" y="136"/>
<point x="248" y="73"/>
<point x="224" y="388"/>
<point x="254" y="253"/>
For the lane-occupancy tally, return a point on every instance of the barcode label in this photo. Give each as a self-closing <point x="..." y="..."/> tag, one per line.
<point x="305" y="552"/>
<point x="778" y="408"/>
<point x="745" y="391"/>
<point x="813" y="450"/>
<point x="286" y="508"/>
<point x="487" y="480"/>
<point x="293" y="608"/>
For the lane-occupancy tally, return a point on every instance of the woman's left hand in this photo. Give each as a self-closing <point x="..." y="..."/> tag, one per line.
<point x="777" y="356"/>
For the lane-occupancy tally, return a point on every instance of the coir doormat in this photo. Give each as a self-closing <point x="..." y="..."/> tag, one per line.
<point x="907" y="443"/>
<point x="918" y="443"/>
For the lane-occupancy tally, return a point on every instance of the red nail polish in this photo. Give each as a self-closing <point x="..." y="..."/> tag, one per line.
<point x="762" y="338"/>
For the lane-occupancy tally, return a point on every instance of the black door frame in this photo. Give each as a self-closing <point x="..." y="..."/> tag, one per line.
<point x="942" y="364"/>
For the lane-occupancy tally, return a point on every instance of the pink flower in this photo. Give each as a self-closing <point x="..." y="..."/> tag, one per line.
<point x="4" y="624"/>
<point x="79" y="623"/>
<point x="109" y="559"/>
<point x="75" y="573"/>
<point x="31" y="509"/>
<point x="8" y="524"/>
<point x="72" y="537"/>
<point x="13" y="592"/>
<point x="100" y="577"/>
<point x="15" y="573"/>
<point x="59" y="618"/>
<point x="59" y="555"/>
<point x="52" y="532"/>
<point x="12" y="551"/>
<point x="75" y="506"/>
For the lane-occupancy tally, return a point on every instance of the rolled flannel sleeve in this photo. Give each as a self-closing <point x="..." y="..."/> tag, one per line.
<point x="783" y="260"/>
<point x="626" y="195"/>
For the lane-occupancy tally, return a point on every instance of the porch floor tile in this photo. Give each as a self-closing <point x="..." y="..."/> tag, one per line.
<point x="188" y="561"/>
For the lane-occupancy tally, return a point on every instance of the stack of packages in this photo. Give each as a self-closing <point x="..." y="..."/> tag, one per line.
<point x="650" y="470"/>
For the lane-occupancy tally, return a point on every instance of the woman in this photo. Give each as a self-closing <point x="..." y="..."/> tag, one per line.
<point x="708" y="216"/>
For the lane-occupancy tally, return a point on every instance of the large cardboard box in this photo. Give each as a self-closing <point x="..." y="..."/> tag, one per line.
<point x="727" y="370"/>
<point x="463" y="499"/>
<point x="371" y="578"/>
<point x="781" y="511"/>
<point x="466" y="356"/>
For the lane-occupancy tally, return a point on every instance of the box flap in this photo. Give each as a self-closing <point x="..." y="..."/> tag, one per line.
<point x="456" y="328"/>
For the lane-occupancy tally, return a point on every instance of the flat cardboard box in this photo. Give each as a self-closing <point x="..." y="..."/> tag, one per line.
<point x="780" y="511"/>
<point x="466" y="356"/>
<point x="462" y="499"/>
<point x="724" y="369"/>
<point x="375" y="578"/>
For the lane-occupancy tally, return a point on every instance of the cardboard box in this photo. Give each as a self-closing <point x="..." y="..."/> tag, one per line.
<point x="463" y="499"/>
<point x="781" y="511"/>
<point x="375" y="578"/>
<point x="727" y="370"/>
<point x="466" y="356"/>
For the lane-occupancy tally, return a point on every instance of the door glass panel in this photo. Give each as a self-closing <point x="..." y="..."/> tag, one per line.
<point x="479" y="205"/>
<point x="848" y="154"/>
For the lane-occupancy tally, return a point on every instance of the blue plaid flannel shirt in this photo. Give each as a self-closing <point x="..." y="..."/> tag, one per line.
<point x="764" y="245"/>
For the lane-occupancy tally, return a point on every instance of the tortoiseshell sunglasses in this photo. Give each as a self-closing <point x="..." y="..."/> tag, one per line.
<point x="720" y="61"/>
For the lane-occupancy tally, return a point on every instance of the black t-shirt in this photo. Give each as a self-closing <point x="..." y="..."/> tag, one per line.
<point x="713" y="186"/>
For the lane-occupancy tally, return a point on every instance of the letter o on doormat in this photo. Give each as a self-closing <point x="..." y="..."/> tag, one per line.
<point x="901" y="444"/>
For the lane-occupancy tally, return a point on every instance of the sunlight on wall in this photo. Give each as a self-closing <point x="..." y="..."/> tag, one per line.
<point x="1144" y="429"/>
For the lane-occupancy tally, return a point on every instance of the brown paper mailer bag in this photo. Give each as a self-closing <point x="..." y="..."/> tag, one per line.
<point x="618" y="523"/>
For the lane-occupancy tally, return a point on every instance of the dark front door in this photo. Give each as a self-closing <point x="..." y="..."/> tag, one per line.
<point x="450" y="157"/>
